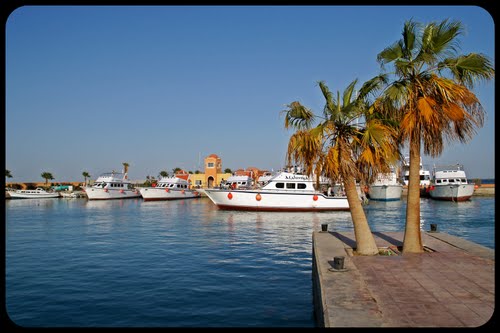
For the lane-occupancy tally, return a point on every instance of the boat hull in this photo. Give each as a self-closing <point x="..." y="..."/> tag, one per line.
<point x="461" y="192"/>
<point x="385" y="192"/>
<point x="102" y="194"/>
<point x="157" y="194"/>
<point x="275" y="201"/>
<point x="14" y="195"/>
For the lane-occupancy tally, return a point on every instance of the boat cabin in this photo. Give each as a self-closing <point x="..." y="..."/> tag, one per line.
<point x="172" y="183"/>
<point x="450" y="176"/>
<point x="112" y="180"/>
<point x="291" y="182"/>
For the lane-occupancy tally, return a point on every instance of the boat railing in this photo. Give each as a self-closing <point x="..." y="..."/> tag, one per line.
<point x="448" y="167"/>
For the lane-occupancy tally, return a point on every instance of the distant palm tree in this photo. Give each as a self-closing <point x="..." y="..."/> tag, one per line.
<point x="85" y="175"/>
<point x="163" y="173"/>
<point x="47" y="176"/>
<point x="197" y="172"/>
<point x="429" y="105"/>
<point x="176" y="170"/>
<point x="8" y="174"/>
<point x="227" y="170"/>
<point x="125" y="167"/>
<point x="349" y="143"/>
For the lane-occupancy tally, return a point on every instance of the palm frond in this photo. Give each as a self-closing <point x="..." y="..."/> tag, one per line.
<point x="348" y="92"/>
<point x="469" y="69"/>
<point x="298" y="116"/>
<point x="330" y="107"/>
<point x="390" y="54"/>
<point x="408" y="40"/>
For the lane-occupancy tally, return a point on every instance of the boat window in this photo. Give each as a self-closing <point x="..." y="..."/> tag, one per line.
<point x="290" y="185"/>
<point x="438" y="181"/>
<point x="301" y="186"/>
<point x="451" y="180"/>
<point x="280" y="185"/>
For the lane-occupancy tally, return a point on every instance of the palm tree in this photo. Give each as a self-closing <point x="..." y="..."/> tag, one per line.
<point x="176" y="170"/>
<point x="431" y="98"/>
<point x="47" y="176"/>
<point x="344" y="148"/>
<point x="125" y="167"/>
<point x="163" y="173"/>
<point x="85" y="175"/>
<point x="227" y="170"/>
<point x="8" y="174"/>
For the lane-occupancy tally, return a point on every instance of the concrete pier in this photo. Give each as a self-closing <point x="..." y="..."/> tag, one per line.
<point x="452" y="284"/>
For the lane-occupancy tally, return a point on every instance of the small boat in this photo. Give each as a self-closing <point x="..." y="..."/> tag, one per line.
<point x="450" y="183"/>
<point x="386" y="187"/>
<point x="169" y="188"/>
<point x="38" y="193"/>
<point x="285" y="191"/>
<point x="238" y="182"/>
<point x="73" y="194"/>
<point x="112" y="185"/>
<point x="8" y="190"/>
<point x="425" y="174"/>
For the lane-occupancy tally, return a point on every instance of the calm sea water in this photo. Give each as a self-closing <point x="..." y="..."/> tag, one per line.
<point x="130" y="263"/>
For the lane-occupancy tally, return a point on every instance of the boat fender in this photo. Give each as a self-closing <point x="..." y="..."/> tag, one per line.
<point x="105" y="190"/>
<point x="183" y="191"/>
<point x="315" y="197"/>
<point x="258" y="197"/>
<point x="166" y="190"/>
<point x="229" y="195"/>
<point x="122" y="191"/>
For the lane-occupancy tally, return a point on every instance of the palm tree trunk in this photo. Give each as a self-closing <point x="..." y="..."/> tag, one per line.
<point x="365" y="243"/>
<point x="412" y="242"/>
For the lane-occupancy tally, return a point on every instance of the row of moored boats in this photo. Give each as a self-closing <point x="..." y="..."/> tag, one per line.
<point x="447" y="183"/>
<point x="279" y="191"/>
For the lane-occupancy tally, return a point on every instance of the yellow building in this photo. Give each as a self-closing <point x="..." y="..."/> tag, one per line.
<point x="213" y="173"/>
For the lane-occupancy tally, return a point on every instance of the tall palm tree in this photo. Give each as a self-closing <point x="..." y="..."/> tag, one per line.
<point x="430" y="96"/>
<point x="163" y="173"/>
<point x="47" y="176"/>
<point x="349" y="143"/>
<point x="8" y="174"/>
<point x="125" y="167"/>
<point x="176" y="170"/>
<point x="85" y="175"/>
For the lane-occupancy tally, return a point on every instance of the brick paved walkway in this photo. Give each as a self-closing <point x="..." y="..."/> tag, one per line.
<point x="448" y="287"/>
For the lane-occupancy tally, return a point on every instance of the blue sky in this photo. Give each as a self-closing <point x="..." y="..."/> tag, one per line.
<point x="88" y="88"/>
